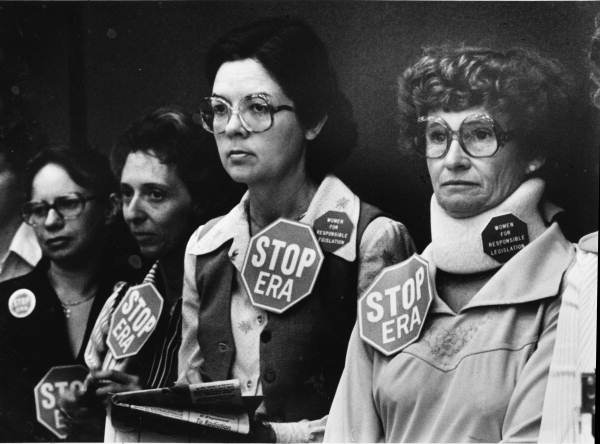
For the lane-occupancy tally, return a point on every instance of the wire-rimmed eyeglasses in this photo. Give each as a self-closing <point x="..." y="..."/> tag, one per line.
<point x="254" y="111"/>
<point x="479" y="135"/>
<point x="69" y="206"/>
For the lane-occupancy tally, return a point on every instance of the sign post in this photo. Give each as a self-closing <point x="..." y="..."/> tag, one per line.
<point x="134" y="320"/>
<point x="281" y="265"/>
<point x="48" y="391"/>
<point x="392" y="311"/>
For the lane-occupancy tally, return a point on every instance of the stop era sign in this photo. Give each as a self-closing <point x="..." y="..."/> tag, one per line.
<point x="504" y="236"/>
<point x="281" y="265"/>
<point x="134" y="320"/>
<point x="47" y="392"/>
<point x="392" y="311"/>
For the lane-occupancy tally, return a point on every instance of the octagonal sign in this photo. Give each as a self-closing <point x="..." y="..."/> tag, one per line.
<point x="392" y="311"/>
<point x="281" y="265"/>
<point x="333" y="230"/>
<point x="504" y="236"/>
<point x="48" y="391"/>
<point x="134" y="320"/>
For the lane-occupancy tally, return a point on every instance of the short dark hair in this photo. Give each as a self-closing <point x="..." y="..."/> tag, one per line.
<point x="533" y="91"/>
<point x="88" y="168"/>
<point x="176" y="138"/>
<point x="298" y="61"/>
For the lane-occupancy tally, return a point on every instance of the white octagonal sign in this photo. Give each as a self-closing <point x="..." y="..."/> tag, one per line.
<point x="48" y="391"/>
<point x="392" y="311"/>
<point x="281" y="265"/>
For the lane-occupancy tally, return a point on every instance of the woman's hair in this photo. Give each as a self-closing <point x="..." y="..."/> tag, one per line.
<point x="176" y="138"/>
<point x="533" y="92"/>
<point x="298" y="61"/>
<point x="87" y="168"/>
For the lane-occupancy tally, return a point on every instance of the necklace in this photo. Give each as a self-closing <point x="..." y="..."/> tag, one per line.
<point x="66" y="306"/>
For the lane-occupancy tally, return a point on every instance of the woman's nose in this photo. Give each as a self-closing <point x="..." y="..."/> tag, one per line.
<point x="235" y="125"/>
<point x="53" y="219"/>
<point x="456" y="157"/>
<point x="133" y="210"/>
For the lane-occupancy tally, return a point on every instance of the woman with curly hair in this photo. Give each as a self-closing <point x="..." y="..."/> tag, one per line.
<point x="488" y="123"/>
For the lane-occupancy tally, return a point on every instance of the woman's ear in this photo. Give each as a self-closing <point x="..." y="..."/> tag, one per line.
<point x="313" y="132"/>
<point x="112" y="209"/>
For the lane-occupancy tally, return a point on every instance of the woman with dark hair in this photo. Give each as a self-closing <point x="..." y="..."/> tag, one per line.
<point x="281" y="125"/>
<point x="47" y="315"/>
<point x="489" y="124"/>
<point x="169" y="171"/>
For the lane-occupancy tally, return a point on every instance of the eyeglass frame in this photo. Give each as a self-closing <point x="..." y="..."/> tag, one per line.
<point x="272" y="111"/>
<point x="52" y="206"/>
<point x="502" y="136"/>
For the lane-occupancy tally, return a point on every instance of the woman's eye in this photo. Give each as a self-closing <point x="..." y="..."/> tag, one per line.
<point x="156" y="195"/>
<point x="437" y="136"/>
<point x="259" y="108"/>
<point x="219" y="109"/>
<point x="483" y="134"/>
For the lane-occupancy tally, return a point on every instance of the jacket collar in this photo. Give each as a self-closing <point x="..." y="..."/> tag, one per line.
<point x="533" y="274"/>
<point x="25" y="245"/>
<point x="332" y="195"/>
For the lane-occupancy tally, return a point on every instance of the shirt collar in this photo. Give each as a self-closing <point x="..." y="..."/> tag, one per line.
<point x="332" y="195"/>
<point x="25" y="245"/>
<point x="533" y="274"/>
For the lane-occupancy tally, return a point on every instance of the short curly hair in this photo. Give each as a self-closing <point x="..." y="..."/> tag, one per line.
<point x="298" y="60"/>
<point x="532" y="91"/>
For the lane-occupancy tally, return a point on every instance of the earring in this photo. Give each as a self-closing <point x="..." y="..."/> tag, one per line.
<point x="531" y="168"/>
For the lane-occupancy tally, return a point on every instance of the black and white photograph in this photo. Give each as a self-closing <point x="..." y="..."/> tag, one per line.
<point x="299" y="221"/>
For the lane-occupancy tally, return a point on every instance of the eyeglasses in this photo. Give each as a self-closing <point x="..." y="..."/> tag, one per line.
<point x="68" y="206"/>
<point x="254" y="111"/>
<point x="479" y="135"/>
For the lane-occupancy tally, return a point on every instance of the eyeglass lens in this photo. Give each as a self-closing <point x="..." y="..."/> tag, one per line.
<point x="476" y="136"/>
<point x="255" y="113"/>
<point x="68" y="207"/>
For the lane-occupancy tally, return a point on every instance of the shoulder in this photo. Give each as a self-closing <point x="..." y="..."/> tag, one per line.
<point x="589" y="243"/>
<point x="389" y="238"/>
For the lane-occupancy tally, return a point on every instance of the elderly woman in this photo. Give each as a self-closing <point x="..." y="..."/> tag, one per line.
<point x="281" y="126"/>
<point x="484" y="121"/>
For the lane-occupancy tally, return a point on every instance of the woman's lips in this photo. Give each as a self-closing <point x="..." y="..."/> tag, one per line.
<point x="57" y="242"/>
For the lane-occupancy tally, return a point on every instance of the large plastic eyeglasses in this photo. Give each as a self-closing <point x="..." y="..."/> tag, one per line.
<point x="479" y="135"/>
<point x="254" y="111"/>
<point x="69" y="206"/>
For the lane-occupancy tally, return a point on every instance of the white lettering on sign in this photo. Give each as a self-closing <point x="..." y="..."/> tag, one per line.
<point x="293" y="258"/>
<point x="393" y="310"/>
<point x="411" y="293"/>
<point x="52" y="391"/>
<point x="138" y="320"/>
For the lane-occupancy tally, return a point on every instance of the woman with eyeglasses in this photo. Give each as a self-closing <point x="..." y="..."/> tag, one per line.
<point x="281" y="126"/>
<point x="488" y="124"/>
<point x="46" y="316"/>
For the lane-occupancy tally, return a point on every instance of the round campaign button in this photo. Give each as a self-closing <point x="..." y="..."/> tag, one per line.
<point x="21" y="303"/>
<point x="504" y="237"/>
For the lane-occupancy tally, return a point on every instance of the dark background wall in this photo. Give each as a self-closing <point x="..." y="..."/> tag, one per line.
<point x="93" y="67"/>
